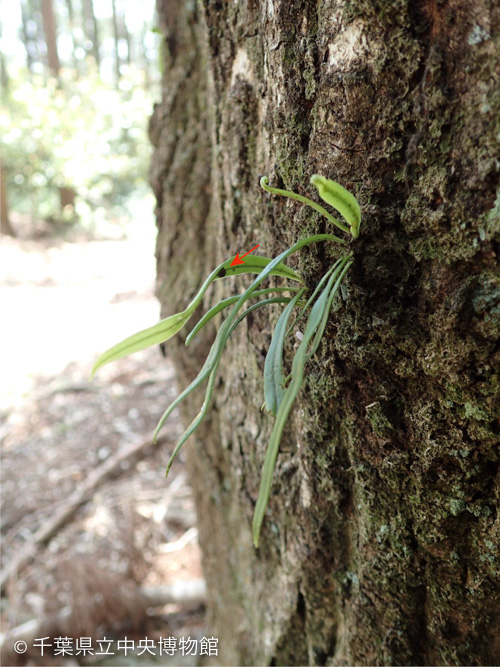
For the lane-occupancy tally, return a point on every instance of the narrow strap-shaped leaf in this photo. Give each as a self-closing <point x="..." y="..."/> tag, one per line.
<point x="228" y="302"/>
<point x="273" y="366"/>
<point x="208" y="366"/>
<point x="253" y="307"/>
<point x="341" y="199"/>
<point x="255" y="264"/>
<point x="286" y="405"/>
<point x="317" y="338"/>
<point x="219" y="343"/>
<point x="258" y="280"/>
<point x="313" y="296"/>
<point x="210" y="387"/>
<point x="213" y="359"/>
<point x="316" y="238"/>
<point x="141" y="340"/>
<point x="332" y="290"/>
<point x="194" y="424"/>
<point x="304" y="200"/>
<point x="199" y="379"/>
<point x="162" y="331"/>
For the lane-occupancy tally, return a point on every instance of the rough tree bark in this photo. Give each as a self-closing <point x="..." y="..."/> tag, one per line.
<point x="381" y="541"/>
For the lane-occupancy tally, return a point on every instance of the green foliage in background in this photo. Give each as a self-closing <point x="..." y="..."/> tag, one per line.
<point x="79" y="134"/>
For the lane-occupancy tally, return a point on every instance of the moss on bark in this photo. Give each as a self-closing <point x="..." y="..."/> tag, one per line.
<point x="381" y="542"/>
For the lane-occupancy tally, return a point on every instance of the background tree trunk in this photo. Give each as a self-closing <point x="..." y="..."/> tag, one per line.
<point x="91" y="29"/>
<point x="25" y="35"/>
<point x="381" y="541"/>
<point x="5" y="223"/>
<point x="116" y="35"/>
<point x="124" y="32"/>
<point x="31" y="32"/>
<point x="50" y="31"/>
<point x="72" y="24"/>
<point x="4" y="73"/>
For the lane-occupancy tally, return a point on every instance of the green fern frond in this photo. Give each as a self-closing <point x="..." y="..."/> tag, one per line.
<point x="279" y="393"/>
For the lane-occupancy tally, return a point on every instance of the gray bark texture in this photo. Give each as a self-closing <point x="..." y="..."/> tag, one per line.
<point x="381" y="540"/>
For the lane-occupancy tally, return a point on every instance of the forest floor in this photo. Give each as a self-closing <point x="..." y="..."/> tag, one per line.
<point x="64" y="302"/>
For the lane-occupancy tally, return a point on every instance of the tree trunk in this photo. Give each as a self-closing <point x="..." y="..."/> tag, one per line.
<point x="91" y="28"/>
<point x="74" y="40"/>
<point x="32" y="34"/>
<point x="67" y="197"/>
<point x="25" y="36"/>
<point x="117" y="42"/>
<point x="4" y="73"/>
<point x="128" y="39"/>
<point x="123" y="31"/>
<point x="381" y="540"/>
<point x="5" y="223"/>
<point x="50" y="31"/>
<point x="140" y="48"/>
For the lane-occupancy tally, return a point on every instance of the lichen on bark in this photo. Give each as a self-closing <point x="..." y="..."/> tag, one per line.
<point x="381" y="542"/>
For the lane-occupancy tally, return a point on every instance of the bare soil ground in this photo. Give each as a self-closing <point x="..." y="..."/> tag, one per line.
<point x="62" y="304"/>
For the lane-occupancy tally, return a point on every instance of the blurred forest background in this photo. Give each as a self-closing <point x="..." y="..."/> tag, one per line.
<point x="94" y="541"/>
<point x="78" y="82"/>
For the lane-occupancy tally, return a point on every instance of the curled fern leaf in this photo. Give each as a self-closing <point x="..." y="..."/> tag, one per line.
<point x="341" y="199"/>
<point x="304" y="200"/>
